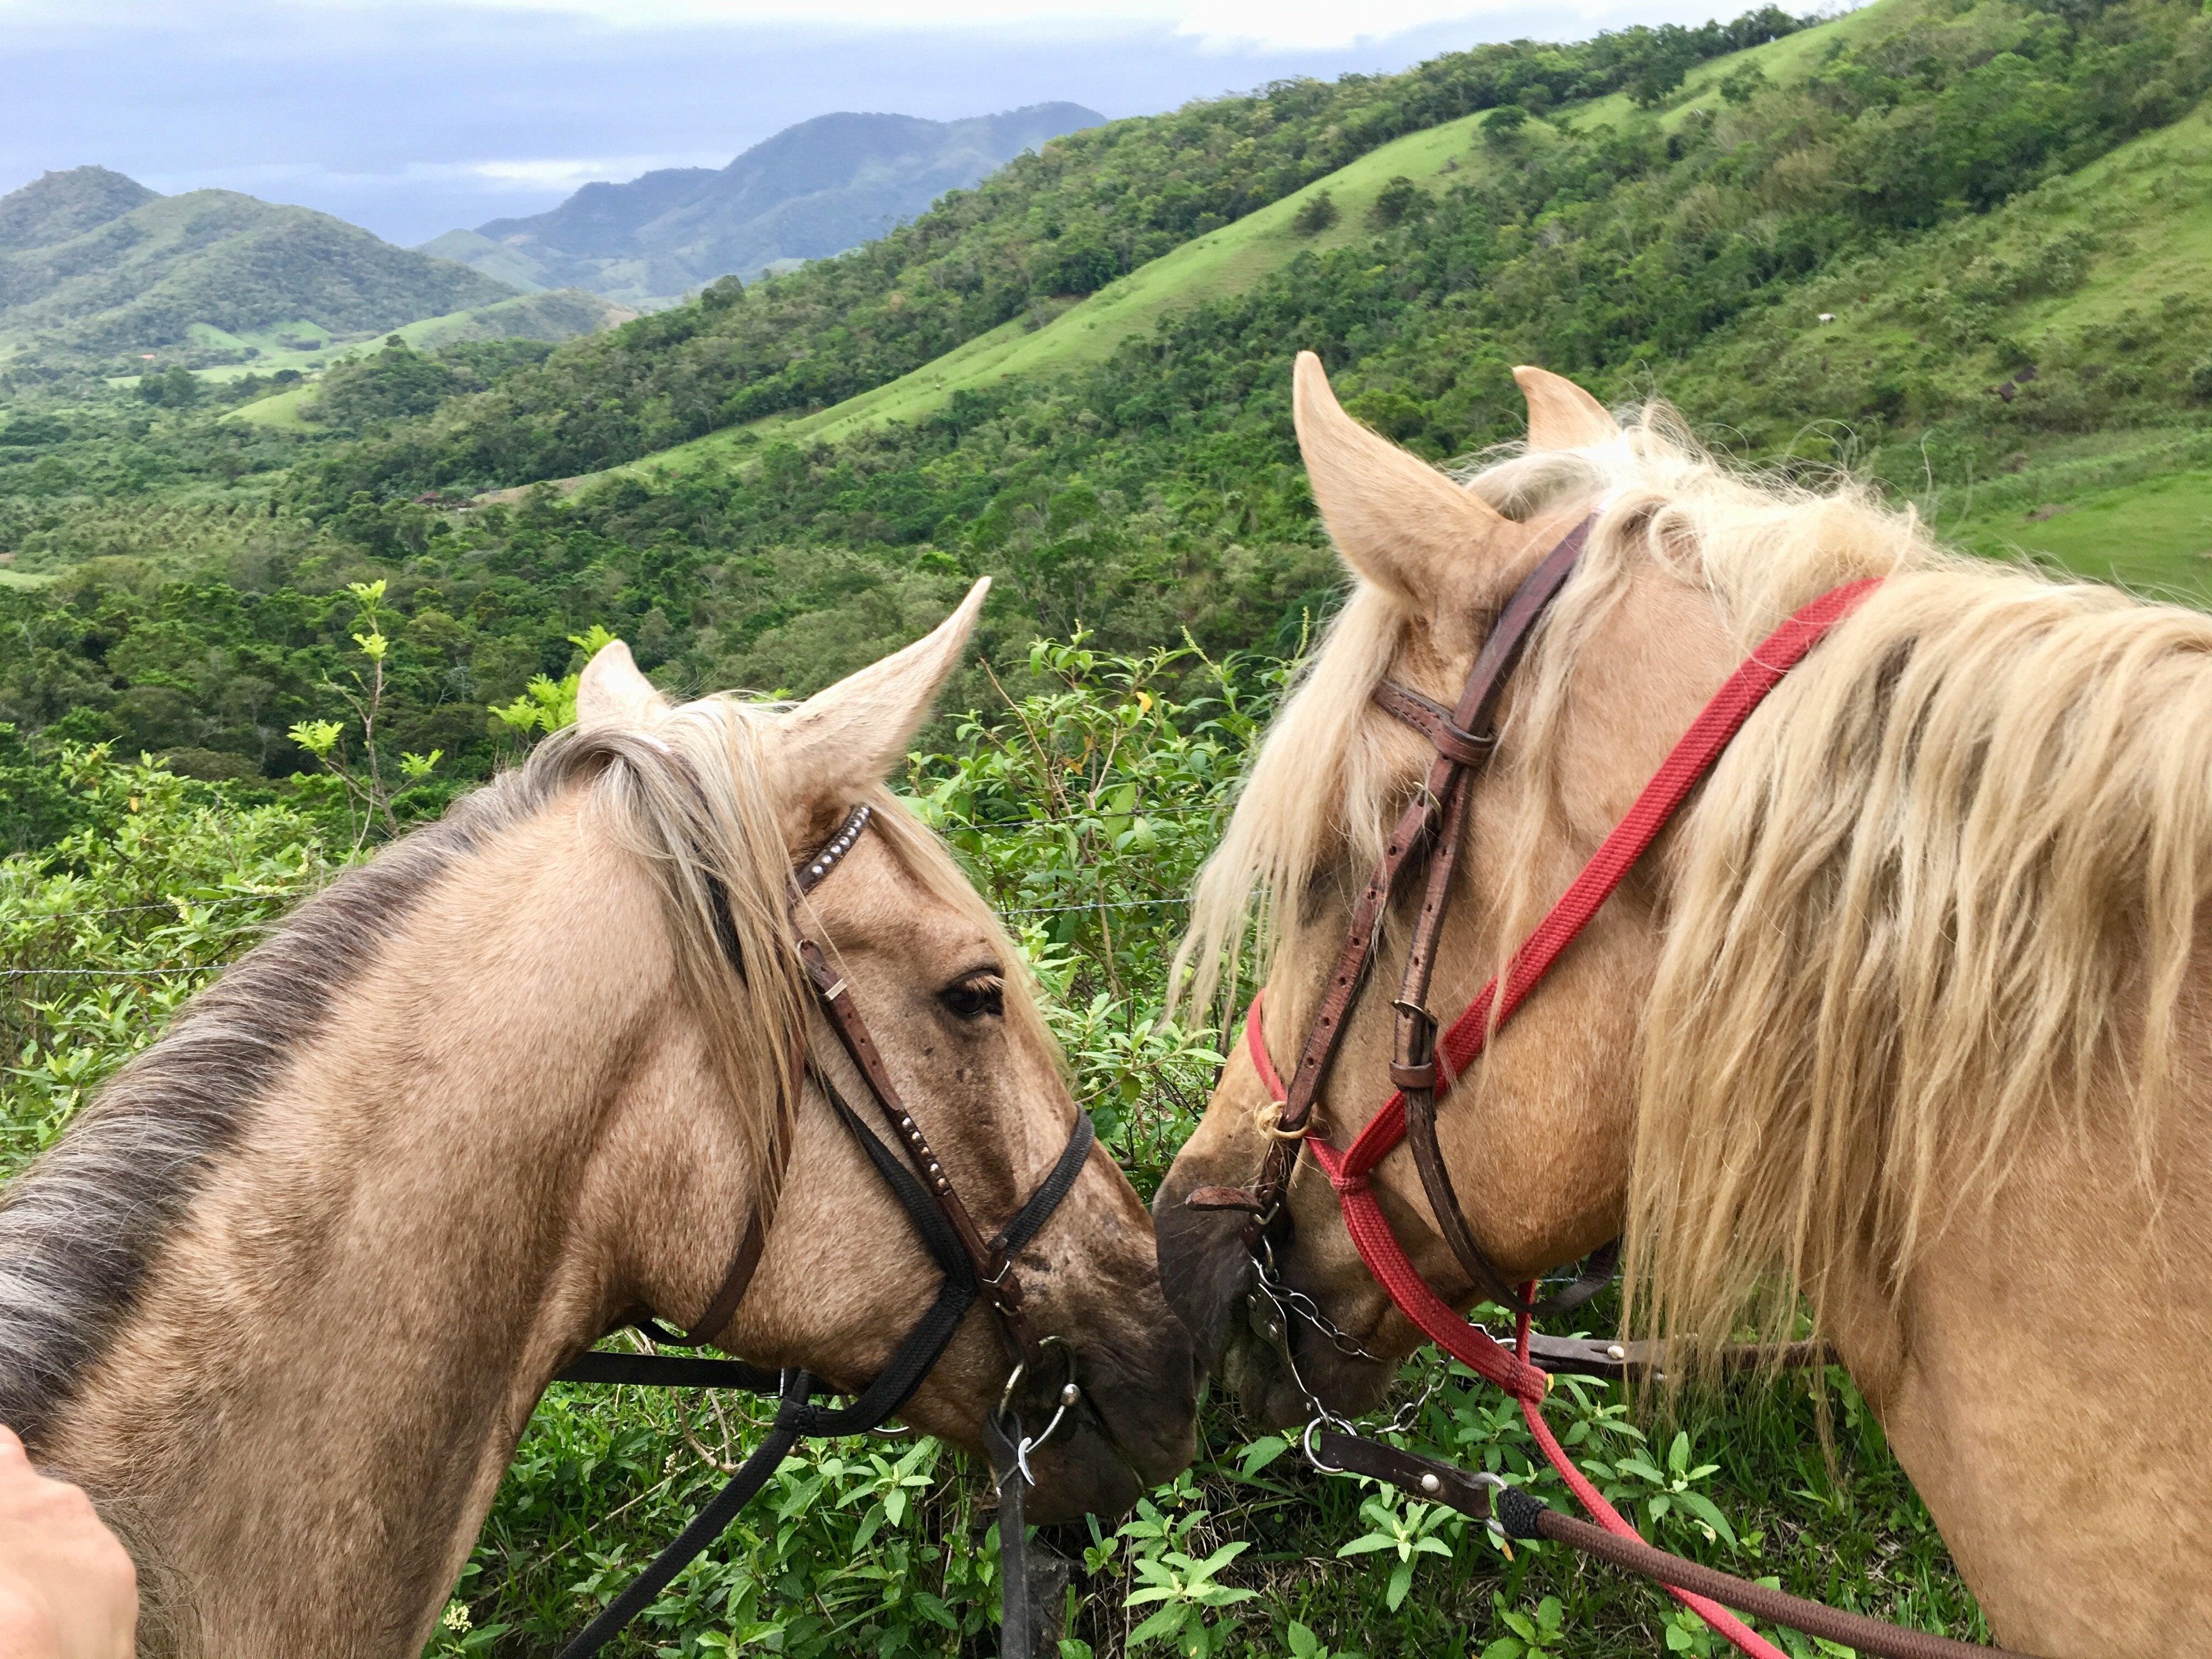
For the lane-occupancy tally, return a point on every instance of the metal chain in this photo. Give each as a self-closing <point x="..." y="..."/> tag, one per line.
<point x="1288" y="1300"/>
<point x="1291" y="1300"/>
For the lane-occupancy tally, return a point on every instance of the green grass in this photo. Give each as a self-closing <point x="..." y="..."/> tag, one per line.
<point x="2154" y="536"/>
<point x="22" y="579"/>
<point x="2145" y="211"/>
<point x="280" y="412"/>
<point x="1218" y="265"/>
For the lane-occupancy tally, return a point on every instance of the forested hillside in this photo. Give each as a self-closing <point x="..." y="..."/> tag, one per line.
<point x="1950" y="184"/>
<point x="94" y="265"/>
<point x="1088" y="207"/>
<point x="809" y="191"/>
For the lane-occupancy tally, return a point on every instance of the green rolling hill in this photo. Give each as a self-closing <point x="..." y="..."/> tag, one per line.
<point x="93" y="266"/>
<point x="557" y="314"/>
<point x="1220" y="265"/>
<point x="1955" y="245"/>
<point x="1231" y="261"/>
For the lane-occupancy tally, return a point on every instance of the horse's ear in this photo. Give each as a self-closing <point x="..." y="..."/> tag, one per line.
<point x="1397" y="520"/>
<point x="1561" y="414"/>
<point x="847" y="739"/>
<point x="611" y="692"/>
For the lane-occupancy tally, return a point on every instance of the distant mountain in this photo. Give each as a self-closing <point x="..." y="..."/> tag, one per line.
<point x="811" y="190"/>
<point x="91" y="263"/>
<point x="63" y="206"/>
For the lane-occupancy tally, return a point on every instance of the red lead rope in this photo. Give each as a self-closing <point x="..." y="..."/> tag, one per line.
<point x="1347" y="1172"/>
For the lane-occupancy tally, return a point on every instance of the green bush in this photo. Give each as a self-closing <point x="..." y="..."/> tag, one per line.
<point x="1399" y="200"/>
<point x="1315" y="215"/>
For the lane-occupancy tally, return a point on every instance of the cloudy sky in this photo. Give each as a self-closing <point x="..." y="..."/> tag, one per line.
<point x="412" y="117"/>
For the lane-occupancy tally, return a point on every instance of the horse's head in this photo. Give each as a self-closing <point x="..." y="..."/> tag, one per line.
<point x="1538" y="1142"/>
<point x="942" y="993"/>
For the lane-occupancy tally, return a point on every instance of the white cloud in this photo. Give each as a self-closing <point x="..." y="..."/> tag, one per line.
<point x="559" y="174"/>
<point x="1263" y="25"/>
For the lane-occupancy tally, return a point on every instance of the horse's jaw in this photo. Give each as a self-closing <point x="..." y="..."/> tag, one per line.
<point x="1281" y="1369"/>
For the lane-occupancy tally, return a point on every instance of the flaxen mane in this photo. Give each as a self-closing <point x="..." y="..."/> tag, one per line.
<point x="1943" y="883"/>
<point x="80" y="1229"/>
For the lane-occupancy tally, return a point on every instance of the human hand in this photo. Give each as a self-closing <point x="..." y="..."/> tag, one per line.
<point x="68" y="1589"/>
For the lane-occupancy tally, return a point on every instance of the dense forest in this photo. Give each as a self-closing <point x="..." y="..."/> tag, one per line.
<point x="1929" y="159"/>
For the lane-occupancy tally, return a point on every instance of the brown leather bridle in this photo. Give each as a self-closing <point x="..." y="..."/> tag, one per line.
<point x="1464" y="738"/>
<point x="972" y="1266"/>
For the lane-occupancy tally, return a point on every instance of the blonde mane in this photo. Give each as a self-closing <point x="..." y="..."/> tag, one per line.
<point x="1940" y="889"/>
<point x="693" y="803"/>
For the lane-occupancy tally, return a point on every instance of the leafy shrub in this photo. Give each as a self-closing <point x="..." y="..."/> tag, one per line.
<point x="1081" y="267"/>
<point x="386" y="384"/>
<point x="1502" y="124"/>
<point x="1399" y="200"/>
<point x="1315" y="215"/>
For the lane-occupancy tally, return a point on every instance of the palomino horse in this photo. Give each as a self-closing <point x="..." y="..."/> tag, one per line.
<point x="1906" y="1019"/>
<point x="284" y="1297"/>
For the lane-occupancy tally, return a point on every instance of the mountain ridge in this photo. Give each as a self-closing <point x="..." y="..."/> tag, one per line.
<point x="58" y="206"/>
<point x="809" y="192"/>
<point x="93" y="263"/>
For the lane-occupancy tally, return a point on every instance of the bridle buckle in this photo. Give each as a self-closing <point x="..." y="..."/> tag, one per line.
<point x="1414" y="1065"/>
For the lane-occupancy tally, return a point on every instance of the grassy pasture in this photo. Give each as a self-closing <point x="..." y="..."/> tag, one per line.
<point x="1224" y="263"/>
<point x="2154" y="536"/>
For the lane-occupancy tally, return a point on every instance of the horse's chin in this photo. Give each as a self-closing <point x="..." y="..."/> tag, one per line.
<point x="1087" y="1473"/>
<point x="1255" y="1371"/>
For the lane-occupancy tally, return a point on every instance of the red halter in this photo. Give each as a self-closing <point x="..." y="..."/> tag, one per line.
<point x="1348" y="1169"/>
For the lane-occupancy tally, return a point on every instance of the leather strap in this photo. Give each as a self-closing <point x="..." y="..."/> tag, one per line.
<point x="1414" y="1070"/>
<point x="1585" y="1357"/>
<point x="844" y="1015"/>
<point x="716" y="1319"/>
<point x="1474" y="719"/>
<point x="667" y="1370"/>
<point x="1032" y="1580"/>
<point x="705" y="1526"/>
<point x="1014" y="1237"/>
<point x="1523" y="1516"/>
<point x="1426" y="1476"/>
<point x="1433" y="721"/>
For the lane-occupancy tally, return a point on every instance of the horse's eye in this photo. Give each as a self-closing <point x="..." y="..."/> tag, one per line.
<point x="975" y="996"/>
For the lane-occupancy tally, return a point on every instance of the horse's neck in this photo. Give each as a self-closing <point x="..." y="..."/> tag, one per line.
<point x="306" y="1416"/>
<point x="2036" y="1377"/>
